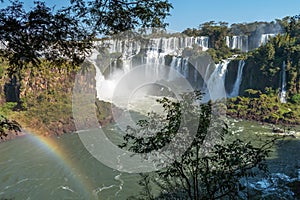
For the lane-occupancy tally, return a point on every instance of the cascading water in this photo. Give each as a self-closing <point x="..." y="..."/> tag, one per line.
<point x="265" y="38"/>
<point x="214" y="79"/>
<point x="173" y="65"/>
<point x="153" y="52"/>
<point x="238" y="81"/>
<point x="180" y="65"/>
<point x="283" y="84"/>
<point x="104" y="87"/>
<point x="207" y="73"/>
<point x="156" y="48"/>
<point x="216" y="82"/>
<point x="238" y="42"/>
<point x="150" y="52"/>
<point x="164" y="45"/>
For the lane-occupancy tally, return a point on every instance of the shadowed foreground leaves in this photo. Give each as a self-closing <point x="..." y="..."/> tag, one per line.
<point x="8" y="125"/>
<point x="67" y="34"/>
<point x="212" y="167"/>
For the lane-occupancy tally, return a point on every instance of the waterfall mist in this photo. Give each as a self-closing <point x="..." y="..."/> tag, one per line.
<point x="135" y="68"/>
<point x="130" y="65"/>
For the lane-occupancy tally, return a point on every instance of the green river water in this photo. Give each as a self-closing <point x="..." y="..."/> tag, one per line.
<point x="31" y="167"/>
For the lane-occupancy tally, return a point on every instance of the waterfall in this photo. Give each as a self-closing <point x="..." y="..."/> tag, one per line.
<point x="242" y="41"/>
<point x="216" y="82"/>
<point x="283" y="84"/>
<point x="100" y="79"/>
<point x="152" y="53"/>
<point x="185" y="67"/>
<point x="206" y="76"/>
<point x="227" y="39"/>
<point x="164" y="45"/>
<point x="264" y="38"/>
<point x="148" y="52"/>
<point x="154" y="49"/>
<point x="238" y="80"/>
<point x="181" y="66"/>
<point x="238" y="42"/>
<point x="175" y="68"/>
<point x="173" y="65"/>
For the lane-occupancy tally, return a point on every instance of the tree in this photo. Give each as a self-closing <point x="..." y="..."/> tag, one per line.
<point x="64" y="37"/>
<point x="28" y="37"/>
<point x="210" y="168"/>
<point x="67" y="34"/>
<point x="115" y="16"/>
<point x="216" y="32"/>
<point x="8" y="125"/>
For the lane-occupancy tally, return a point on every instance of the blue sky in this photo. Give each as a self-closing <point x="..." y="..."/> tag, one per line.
<point x="191" y="13"/>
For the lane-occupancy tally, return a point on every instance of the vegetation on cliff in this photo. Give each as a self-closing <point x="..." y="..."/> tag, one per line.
<point x="216" y="32"/>
<point x="264" y="108"/>
<point x="268" y="61"/>
<point x="44" y="103"/>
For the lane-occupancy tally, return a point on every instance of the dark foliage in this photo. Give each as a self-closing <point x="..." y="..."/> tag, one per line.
<point x="40" y="33"/>
<point x="210" y="168"/>
<point x="8" y="125"/>
<point x="67" y="34"/>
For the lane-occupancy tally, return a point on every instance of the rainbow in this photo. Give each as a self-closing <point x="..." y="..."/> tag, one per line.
<point x="50" y="144"/>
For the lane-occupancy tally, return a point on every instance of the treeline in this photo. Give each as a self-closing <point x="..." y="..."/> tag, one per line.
<point x="217" y="31"/>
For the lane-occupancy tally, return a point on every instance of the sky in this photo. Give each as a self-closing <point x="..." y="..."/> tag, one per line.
<point x="191" y="13"/>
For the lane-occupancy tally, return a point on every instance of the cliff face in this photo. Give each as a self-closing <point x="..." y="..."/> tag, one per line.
<point x="231" y="75"/>
<point x="253" y="78"/>
<point x="43" y="99"/>
<point x="45" y="82"/>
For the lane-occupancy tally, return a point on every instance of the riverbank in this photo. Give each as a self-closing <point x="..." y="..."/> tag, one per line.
<point x="13" y="135"/>
<point x="63" y="122"/>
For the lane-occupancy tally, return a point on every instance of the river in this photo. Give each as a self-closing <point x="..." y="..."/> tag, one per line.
<point x="35" y="167"/>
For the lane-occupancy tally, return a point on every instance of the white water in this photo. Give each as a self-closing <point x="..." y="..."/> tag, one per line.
<point x="283" y="84"/>
<point x="238" y="42"/>
<point x="214" y="86"/>
<point x="163" y="45"/>
<point x="242" y="41"/>
<point x="179" y="65"/>
<point x="265" y="38"/>
<point x="275" y="185"/>
<point x="238" y="81"/>
<point x="216" y="82"/>
<point x="152" y="56"/>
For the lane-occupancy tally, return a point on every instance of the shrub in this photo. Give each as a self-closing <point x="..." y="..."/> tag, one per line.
<point x="296" y="98"/>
